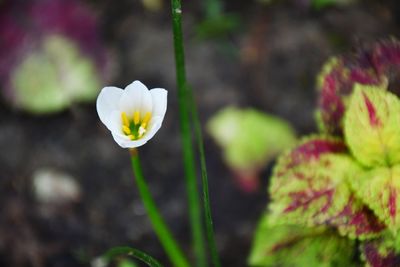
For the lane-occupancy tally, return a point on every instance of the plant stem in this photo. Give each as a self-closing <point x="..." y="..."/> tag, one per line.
<point x="185" y="98"/>
<point x="206" y="196"/>
<point x="167" y="240"/>
<point x="188" y="155"/>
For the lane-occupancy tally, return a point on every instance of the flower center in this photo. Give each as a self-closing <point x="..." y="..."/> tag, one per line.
<point x="136" y="127"/>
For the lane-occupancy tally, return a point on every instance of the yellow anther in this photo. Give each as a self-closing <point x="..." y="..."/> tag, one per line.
<point x="136" y="117"/>
<point x="146" y="119"/>
<point x="131" y="137"/>
<point x="126" y="130"/>
<point x="125" y="120"/>
<point x="141" y="131"/>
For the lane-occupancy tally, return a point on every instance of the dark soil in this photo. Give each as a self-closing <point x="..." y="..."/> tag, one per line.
<point x="269" y="63"/>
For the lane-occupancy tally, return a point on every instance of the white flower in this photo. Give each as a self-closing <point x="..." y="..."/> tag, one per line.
<point x="133" y="115"/>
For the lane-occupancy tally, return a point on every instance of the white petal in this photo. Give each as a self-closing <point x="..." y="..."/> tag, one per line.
<point x="114" y="122"/>
<point x="154" y="126"/>
<point x="136" y="97"/>
<point x="124" y="142"/>
<point x="108" y="101"/>
<point x="159" y="97"/>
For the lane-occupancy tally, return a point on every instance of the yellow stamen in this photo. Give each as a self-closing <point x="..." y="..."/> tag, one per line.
<point x="125" y="120"/>
<point x="140" y="125"/>
<point x="126" y="130"/>
<point x="141" y="131"/>
<point x="136" y="117"/>
<point x="146" y="119"/>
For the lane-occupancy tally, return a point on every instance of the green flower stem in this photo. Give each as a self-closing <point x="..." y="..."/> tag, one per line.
<point x="185" y="98"/>
<point x="167" y="240"/>
<point x="206" y="196"/>
<point x="188" y="155"/>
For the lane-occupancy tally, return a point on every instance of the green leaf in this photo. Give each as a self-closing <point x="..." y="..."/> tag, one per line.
<point x="309" y="187"/>
<point x="372" y="128"/>
<point x="218" y="26"/>
<point x="127" y="251"/>
<point x="249" y="138"/>
<point x="127" y="263"/>
<point x="292" y="245"/>
<point x="319" y="4"/>
<point x="379" y="188"/>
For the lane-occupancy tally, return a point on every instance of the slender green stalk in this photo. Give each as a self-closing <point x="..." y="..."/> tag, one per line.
<point x="167" y="240"/>
<point x="140" y="255"/>
<point x="188" y="155"/>
<point x="206" y="196"/>
<point x="185" y="98"/>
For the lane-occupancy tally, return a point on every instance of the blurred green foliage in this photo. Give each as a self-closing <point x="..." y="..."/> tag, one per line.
<point x="249" y="138"/>
<point x="318" y="4"/>
<point x="52" y="78"/>
<point x="127" y="263"/>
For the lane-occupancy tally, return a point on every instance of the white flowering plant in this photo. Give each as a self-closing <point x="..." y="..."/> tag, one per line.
<point x="133" y="116"/>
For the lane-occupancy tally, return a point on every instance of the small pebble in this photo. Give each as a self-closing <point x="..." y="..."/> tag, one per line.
<point x="55" y="187"/>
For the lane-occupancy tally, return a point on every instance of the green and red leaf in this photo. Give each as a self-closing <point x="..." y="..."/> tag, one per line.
<point x="309" y="187"/>
<point x="385" y="57"/>
<point x="357" y="221"/>
<point x="308" y="150"/>
<point x="379" y="188"/>
<point x="382" y="252"/>
<point x="308" y="183"/>
<point x="335" y="84"/>
<point x="293" y="245"/>
<point x="375" y="64"/>
<point x="372" y="129"/>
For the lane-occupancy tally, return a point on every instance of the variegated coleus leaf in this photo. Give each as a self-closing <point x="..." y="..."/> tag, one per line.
<point x="385" y="57"/>
<point x="381" y="252"/>
<point x="294" y="245"/>
<point x="335" y="84"/>
<point x="372" y="126"/>
<point x="309" y="187"/>
<point x="375" y="64"/>
<point x="379" y="188"/>
<point x="356" y="220"/>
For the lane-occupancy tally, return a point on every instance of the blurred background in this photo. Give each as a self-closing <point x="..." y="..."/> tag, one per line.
<point x="67" y="192"/>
